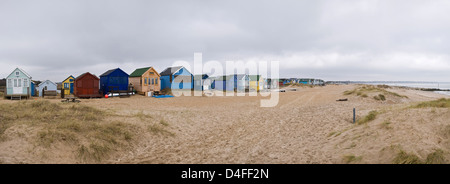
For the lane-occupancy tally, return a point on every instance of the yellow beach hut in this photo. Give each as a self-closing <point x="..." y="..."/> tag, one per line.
<point x="256" y="82"/>
<point x="67" y="85"/>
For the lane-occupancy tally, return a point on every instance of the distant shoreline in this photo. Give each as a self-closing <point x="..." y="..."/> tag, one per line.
<point x="401" y="84"/>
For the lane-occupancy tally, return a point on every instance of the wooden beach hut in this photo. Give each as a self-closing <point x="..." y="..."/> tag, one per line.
<point x="87" y="86"/>
<point x="256" y="82"/>
<point x="176" y="78"/>
<point x="145" y="80"/>
<point x="67" y="85"/>
<point x="114" y="80"/>
<point x="46" y="85"/>
<point x="18" y="84"/>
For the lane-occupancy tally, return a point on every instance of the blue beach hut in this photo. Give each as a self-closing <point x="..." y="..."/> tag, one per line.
<point x="113" y="80"/>
<point x="176" y="78"/>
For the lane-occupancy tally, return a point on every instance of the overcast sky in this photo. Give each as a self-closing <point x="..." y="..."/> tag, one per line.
<point x="329" y="39"/>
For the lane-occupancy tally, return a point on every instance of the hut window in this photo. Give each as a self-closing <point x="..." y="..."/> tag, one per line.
<point x="153" y="81"/>
<point x="151" y="73"/>
<point x="9" y="82"/>
<point x="17" y="73"/>
<point x="66" y="85"/>
<point x="25" y="82"/>
<point x="156" y="81"/>
<point x="19" y="83"/>
<point x="145" y="81"/>
<point x="15" y="82"/>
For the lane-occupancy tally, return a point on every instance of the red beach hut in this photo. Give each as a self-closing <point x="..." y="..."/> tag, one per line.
<point x="87" y="86"/>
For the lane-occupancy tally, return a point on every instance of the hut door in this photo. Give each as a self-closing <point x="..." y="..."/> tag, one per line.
<point x="17" y="89"/>
<point x="71" y="88"/>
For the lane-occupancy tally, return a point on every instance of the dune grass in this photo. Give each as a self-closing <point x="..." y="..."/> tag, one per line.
<point x="369" y="117"/>
<point x="440" y="103"/>
<point x="351" y="159"/>
<point x="364" y="90"/>
<point x="436" y="157"/>
<point x="403" y="157"/>
<point x="76" y="126"/>
<point x="380" y="97"/>
<point x="385" y="125"/>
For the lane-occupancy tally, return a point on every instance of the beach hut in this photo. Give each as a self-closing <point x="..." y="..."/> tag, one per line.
<point x="87" y="86"/>
<point x="237" y="82"/>
<point x="271" y="83"/>
<point x="33" y="88"/>
<point x="2" y="85"/>
<point x="18" y="84"/>
<point x="176" y="78"/>
<point x="67" y="85"/>
<point x="220" y="83"/>
<point x="46" y="85"/>
<point x="318" y="82"/>
<point x="306" y="81"/>
<point x="145" y="80"/>
<point x="256" y="82"/>
<point x="201" y="82"/>
<point x="114" y="80"/>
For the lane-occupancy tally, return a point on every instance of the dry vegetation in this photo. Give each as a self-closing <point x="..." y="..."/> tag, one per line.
<point x="378" y="91"/>
<point x="440" y="103"/>
<point x="369" y="117"/>
<point x="90" y="133"/>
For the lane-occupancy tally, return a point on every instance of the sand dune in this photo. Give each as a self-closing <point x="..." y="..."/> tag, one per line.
<point x="307" y="126"/>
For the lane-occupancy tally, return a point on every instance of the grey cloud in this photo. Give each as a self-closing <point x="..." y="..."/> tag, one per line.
<point x="70" y="37"/>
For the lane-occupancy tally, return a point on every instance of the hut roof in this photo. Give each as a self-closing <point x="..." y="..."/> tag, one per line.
<point x="171" y="70"/>
<point x="139" y="72"/>
<point x="254" y="77"/>
<point x="28" y="75"/>
<point x="111" y="71"/>
<point x="86" y="74"/>
<point x="43" y="83"/>
<point x="203" y="76"/>
<point x="69" y="77"/>
<point x="108" y="72"/>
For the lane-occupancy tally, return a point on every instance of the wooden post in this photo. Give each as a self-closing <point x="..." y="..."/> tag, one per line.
<point x="354" y="116"/>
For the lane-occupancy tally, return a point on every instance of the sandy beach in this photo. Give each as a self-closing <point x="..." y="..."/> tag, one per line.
<point x="307" y="126"/>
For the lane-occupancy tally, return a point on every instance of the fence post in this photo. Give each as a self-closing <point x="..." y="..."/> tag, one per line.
<point x="354" y="115"/>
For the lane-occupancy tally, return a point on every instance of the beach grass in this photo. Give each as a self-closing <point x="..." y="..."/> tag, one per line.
<point x="386" y="125"/>
<point x="403" y="157"/>
<point x="436" y="157"/>
<point x="440" y="103"/>
<point x="360" y="91"/>
<point x="76" y="126"/>
<point x="351" y="159"/>
<point x="369" y="117"/>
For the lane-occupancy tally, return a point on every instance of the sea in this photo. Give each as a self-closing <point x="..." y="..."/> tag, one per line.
<point x="444" y="87"/>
